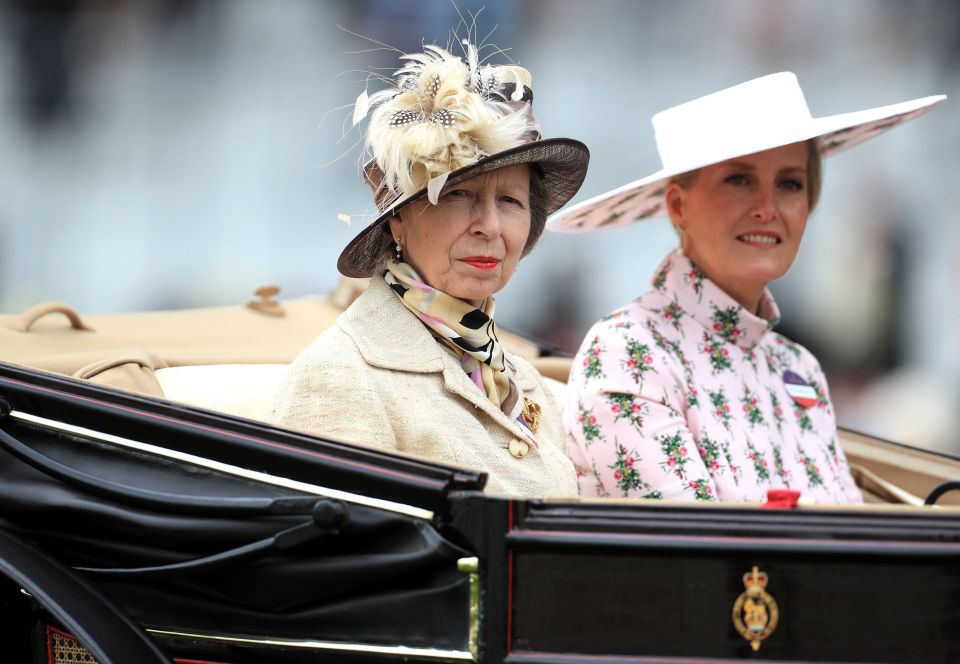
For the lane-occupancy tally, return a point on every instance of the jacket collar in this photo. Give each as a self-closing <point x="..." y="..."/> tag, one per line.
<point x="389" y="336"/>
<point x="701" y="299"/>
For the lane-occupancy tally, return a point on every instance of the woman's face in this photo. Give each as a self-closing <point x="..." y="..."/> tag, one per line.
<point x="469" y="243"/>
<point x="741" y="221"/>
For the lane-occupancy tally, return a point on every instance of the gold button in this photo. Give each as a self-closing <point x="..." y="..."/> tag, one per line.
<point x="519" y="448"/>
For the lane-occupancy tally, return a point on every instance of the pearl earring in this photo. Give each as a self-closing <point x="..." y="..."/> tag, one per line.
<point x="684" y="238"/>
<point x="399" y="258"/>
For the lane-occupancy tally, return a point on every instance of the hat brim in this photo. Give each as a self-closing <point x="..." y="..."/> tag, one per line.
<point x="643" y="198"/>
<point x="564" y="164"/>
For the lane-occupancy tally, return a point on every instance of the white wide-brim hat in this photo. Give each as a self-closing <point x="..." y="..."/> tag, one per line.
<point x="758" y="115"/>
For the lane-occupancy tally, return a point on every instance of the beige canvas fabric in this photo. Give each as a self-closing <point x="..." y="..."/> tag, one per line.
<point x="134" y="371"/>
<point x="54" y="337"/>
<point x="397" y="388"/>
<point x="126" y="351"/>
<point x="221" y="335"/>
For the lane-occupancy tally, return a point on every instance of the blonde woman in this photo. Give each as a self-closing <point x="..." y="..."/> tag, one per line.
<point x="687" y="392"/>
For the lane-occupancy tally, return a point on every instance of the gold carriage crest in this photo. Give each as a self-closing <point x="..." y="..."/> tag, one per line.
<point x="755" y="613"/>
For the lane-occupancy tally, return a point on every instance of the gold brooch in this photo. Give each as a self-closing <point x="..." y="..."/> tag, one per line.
<point x="532" y="414"/>
<point x="755" y="613"/>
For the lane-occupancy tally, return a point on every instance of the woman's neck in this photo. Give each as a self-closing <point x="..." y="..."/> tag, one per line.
<point x="747" y="295"/>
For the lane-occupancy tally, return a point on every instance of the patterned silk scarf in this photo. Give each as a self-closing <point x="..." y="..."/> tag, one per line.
<point x="469" y="332"/>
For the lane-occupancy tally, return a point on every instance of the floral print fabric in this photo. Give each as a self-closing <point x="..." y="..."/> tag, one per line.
<point x="685" y="394"/>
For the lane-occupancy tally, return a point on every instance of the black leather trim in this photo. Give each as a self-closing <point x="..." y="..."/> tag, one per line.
<point x="103" y="628"/>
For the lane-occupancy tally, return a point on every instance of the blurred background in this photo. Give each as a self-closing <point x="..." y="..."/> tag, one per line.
<point x="176" y="153"/>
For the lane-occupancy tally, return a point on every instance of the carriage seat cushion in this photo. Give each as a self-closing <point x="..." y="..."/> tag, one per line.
<point x="245" y="390"/>
<point x="242" y="389"/>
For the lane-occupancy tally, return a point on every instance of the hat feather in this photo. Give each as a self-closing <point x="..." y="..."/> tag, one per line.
<point x="442" y="115"/>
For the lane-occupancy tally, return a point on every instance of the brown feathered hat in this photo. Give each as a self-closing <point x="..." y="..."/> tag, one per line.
<point x="444" y="120"/>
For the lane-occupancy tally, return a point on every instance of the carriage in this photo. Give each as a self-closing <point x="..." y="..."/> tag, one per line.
<point x="149" y="513"/>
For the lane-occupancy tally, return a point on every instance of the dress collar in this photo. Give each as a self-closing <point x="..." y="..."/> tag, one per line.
<point x="704" y="301"/>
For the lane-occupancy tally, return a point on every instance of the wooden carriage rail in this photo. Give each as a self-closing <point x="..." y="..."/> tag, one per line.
<point x="565" y="540"/>
<point x="866" y="529"/>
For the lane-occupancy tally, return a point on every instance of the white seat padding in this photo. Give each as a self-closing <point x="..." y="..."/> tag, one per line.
<point x="245" y="390"/>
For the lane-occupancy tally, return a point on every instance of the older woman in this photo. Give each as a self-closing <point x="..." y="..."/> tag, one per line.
<point x="687" y="392"/>
<point x="464" y="184"/>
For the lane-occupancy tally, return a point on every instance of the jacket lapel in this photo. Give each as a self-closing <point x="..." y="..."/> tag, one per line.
<point x="389" y="336"/>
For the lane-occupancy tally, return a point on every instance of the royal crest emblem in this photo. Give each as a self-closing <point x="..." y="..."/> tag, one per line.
<point x="755" y="613"/>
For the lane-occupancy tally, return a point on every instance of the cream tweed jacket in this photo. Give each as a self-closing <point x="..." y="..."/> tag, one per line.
<point x="378" y="377"/>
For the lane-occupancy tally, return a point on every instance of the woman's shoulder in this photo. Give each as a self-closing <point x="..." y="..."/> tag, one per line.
<point x="640" y="318"/>
<point x="529" y="375"/>
<point x="332" y="354"/>
<point x="634" y="344"/>
<point x="636" y="312"/>
<point x="789" y="350"/>
<point x="368" y="326"/>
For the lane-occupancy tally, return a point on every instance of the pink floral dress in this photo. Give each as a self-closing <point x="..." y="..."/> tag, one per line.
<point x="685" y="394"/>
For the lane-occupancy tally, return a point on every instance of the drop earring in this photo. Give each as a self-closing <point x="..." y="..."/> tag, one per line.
<point x="684" y="239"/>
<point x="684" y="243"/>
<point x="398" y="258"/>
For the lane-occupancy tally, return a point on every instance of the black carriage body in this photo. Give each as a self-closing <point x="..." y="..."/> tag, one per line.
<point x="593" y="582"/>
<point x="232" y="541"/>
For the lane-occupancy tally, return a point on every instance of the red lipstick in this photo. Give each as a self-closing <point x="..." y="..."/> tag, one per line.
<point x="485" y="263"/>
